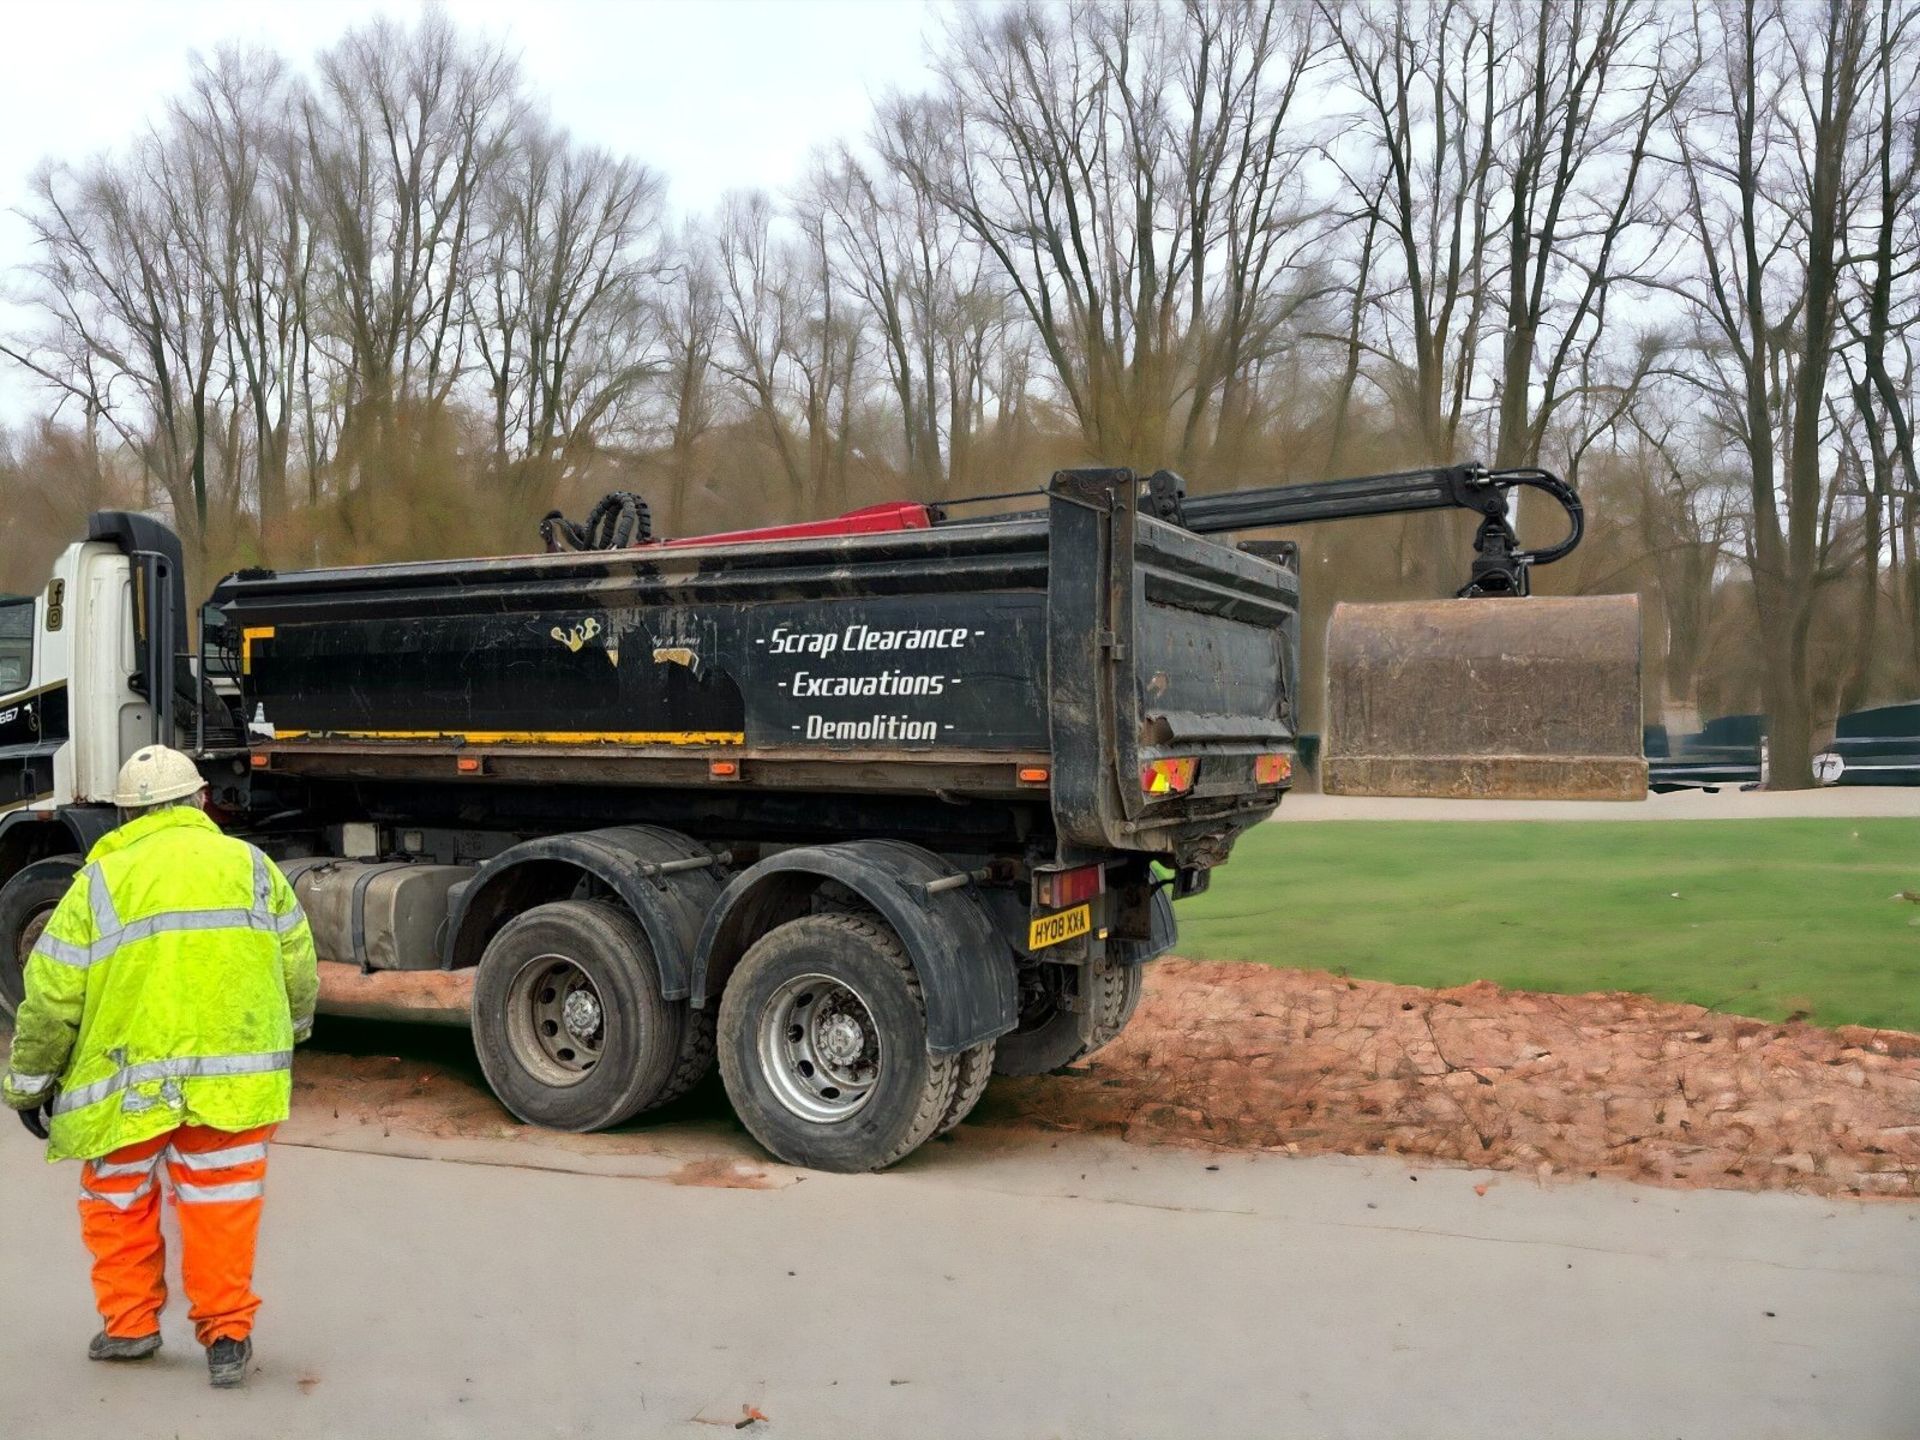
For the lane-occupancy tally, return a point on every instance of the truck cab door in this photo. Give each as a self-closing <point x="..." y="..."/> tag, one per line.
<point x="33" y="695"/>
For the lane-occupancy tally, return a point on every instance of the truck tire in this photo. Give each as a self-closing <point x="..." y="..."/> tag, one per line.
<point x="823" y="1046"/>
<point x="27" y="902"/>
<point x="697" y="1042"/>
<point x="976" y="1069"/>
<point x="1048" y="1035"/>
<point x="568" y="1019"/>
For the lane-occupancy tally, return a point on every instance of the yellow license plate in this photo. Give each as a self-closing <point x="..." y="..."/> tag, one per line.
<point x="1062" y="925"/>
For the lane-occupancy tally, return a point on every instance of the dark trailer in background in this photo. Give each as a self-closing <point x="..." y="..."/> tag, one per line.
<point x="1877" y="746"/>
<point x="1727" y="752"/>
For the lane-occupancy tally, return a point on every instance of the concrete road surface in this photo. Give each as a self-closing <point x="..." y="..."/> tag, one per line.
<point x="1089" y="1289"/>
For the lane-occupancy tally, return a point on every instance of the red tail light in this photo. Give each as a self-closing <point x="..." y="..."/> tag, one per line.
<point x="1168" y="777"/>
<point x="1057" y="889"/>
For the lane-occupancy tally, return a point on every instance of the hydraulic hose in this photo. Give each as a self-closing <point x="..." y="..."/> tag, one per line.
<point x="619" y="520"/>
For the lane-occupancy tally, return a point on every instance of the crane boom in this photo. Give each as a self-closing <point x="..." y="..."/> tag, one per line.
<point x="1500" y="567"/>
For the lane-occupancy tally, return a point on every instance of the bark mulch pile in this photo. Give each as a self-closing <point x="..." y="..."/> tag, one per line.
<point x="1248" y="1057"/>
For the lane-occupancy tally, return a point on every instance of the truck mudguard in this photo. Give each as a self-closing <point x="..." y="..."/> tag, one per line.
<point x="965" y="966"/>
<point x="30" y="835"/>
<point x="1163" y="929"/>
<point x="669" y="904"/>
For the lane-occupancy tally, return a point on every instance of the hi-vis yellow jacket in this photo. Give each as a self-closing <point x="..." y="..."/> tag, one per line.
<point x="169" y="988"/>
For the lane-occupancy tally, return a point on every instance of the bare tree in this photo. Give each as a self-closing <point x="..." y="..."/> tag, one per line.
<point x="933" y="312"/>
<point x="1764" y="156"/>
<point x="792" y="347"/>
<point x="1573" y="161"/>
<point x="560" y="292"/>
<point x="131" y="326"/>
<point x="1428" y="84"/>
<point x="761" y="306"/>
<point x="1882" y="311"/>
<point x="1133" y="174"/>
<point x="402" y="131"/>
<point x="260" y="254"/>
<point x="690" y="326"/>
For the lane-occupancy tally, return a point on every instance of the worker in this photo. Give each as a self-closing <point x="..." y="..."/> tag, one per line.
<point x="163" y="1001"/>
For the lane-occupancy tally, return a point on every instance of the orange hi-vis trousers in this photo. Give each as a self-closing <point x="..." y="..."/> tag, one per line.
<point x="219" y="1178"/>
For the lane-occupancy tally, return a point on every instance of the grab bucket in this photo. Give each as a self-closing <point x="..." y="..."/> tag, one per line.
<point x="1535" y="699"/>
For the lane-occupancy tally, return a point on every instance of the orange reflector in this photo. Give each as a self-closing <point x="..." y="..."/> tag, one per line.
<point x="467" y="764"/>
<point x="1035" y="774"/>
<point x="723" y="769"/>
<point x="1168" y="777"/>
<point x="261" y="760"/>
<point x="1272" y="769"/>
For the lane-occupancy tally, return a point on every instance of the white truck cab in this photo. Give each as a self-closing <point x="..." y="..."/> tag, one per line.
<point x="69" y="664"/>
<point x="76" y="698"/>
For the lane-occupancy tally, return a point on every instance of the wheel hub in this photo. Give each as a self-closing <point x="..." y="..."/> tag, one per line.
<point x="820" y="1049"/>
<point x="556" y="1020"/>
<point x="581" y="1013"/>
<point x="841" y="1040"/>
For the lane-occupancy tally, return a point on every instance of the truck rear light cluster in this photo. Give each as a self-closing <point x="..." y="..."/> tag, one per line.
<point x="1272" y="769"/>
<point x="1057" y="889"/>
<point x="1168" y="777"/>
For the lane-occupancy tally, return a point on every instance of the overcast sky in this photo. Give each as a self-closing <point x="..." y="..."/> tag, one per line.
<point x="715" y="95"/>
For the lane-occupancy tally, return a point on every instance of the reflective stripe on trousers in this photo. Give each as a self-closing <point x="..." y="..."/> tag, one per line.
<point x="120" y="1221"/>
<point x="219" y="1178"/>
<point x="93" y="1174"/>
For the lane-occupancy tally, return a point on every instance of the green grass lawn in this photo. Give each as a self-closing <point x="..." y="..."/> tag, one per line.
<point x="1752" y="917"/>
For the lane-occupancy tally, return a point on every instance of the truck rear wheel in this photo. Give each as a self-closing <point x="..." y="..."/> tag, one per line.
<point x="568" y="1019"/>
<point x="975" y="1070"/>
<point x="1048" y="1035"/>
<point x="823" y="1046"/>
<point x="27" y="902"/>
<point x="697" y="1040"/>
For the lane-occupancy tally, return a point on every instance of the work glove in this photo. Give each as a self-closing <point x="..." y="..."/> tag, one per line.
<point x="35" y="1120"/>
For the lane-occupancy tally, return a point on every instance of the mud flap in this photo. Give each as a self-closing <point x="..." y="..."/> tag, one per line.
<point x="1535" y="699"/>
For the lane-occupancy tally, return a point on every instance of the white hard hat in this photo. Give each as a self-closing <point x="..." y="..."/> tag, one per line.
<point x="154" y="776"/>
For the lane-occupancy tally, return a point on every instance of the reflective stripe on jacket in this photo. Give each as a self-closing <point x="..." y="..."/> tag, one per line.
<point x="168" y="989"/>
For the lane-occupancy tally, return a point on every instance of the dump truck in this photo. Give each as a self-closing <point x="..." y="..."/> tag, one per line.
<point x="862" y="810"/>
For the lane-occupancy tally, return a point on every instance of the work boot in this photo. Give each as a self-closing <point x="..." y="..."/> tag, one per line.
<point x="227" y="1362"/>
<point x="121" y="1347"/>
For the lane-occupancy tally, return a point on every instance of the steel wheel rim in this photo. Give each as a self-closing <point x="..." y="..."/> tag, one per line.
<point x="820" y="1048"/>
<point x="556" y="1020"/>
